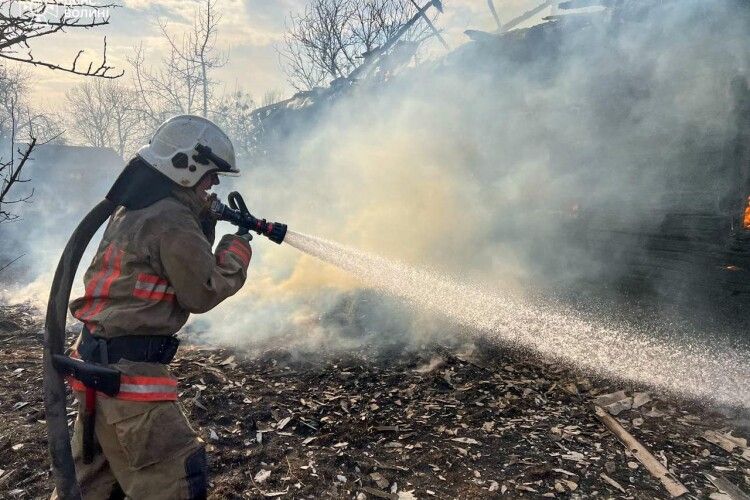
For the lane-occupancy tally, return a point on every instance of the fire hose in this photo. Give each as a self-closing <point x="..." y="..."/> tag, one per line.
<point x="138" y="186"/>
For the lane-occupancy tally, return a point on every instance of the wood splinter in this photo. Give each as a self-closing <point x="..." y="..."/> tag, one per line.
<point x="673" y="486"/>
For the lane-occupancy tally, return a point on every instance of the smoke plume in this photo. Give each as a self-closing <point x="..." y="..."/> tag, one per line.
<point x="482" y="164"/>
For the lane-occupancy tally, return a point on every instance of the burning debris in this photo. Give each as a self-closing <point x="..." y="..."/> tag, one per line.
<point x="388" y="422"/>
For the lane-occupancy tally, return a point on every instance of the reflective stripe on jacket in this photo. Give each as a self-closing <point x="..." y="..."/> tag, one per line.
<point x="154" y="267"/>
<point x="137" y="388"/>
<point x="156" y="385"/>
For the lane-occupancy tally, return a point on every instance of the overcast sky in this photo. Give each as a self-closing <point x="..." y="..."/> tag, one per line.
<point x="249" y="32"/>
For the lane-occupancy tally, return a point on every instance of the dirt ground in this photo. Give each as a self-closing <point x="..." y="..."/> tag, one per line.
<point x="390" y="422"/>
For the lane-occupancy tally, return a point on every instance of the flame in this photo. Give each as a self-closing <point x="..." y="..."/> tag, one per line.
<point x="746" y="217"/>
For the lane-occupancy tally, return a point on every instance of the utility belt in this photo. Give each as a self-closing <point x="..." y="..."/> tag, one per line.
<point x="143" y="348"/>
<point x="87" y="372"/>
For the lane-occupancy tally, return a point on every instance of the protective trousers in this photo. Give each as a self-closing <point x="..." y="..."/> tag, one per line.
<point x="146" y="450"/>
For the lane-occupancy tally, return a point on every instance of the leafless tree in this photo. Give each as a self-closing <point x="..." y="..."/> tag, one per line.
<point x="104" y="113"/>
<point x="182" y="84"/>
<point x="89" y="113"/>
<point x="318" y="46"/>
<point x="45" y="127"/>
<point x="233" y="113"/>
<point x="10" y="176"/>
<point x="330" y="38"/>
<point x="163" y="91"/>
<point x="12" y="88"/>
<point x="128" y="132"/>
<point x="203" y="42"/>
<point x="24" y="21"/>
<point x="17" y="117"/>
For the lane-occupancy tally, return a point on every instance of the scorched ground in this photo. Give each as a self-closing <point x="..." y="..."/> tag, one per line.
<point x="396" y="422"/>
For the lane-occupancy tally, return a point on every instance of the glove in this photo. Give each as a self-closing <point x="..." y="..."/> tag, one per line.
<point x="244" y="234"/>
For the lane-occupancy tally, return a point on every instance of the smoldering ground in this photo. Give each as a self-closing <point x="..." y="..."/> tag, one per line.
<point x="475" y="164"/>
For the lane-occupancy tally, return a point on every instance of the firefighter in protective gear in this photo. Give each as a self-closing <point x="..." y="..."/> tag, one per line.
<point x="154" y="266"/>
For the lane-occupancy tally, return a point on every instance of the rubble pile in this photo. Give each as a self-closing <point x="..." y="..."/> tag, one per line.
<point x="389" y="422"/>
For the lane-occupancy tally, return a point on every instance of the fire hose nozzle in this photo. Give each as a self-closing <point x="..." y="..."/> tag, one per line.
<point x="276" y="232"/>
<point x="238" y="214"/>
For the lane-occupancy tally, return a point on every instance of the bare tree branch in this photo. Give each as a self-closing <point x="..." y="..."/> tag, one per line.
<point x="12" y="178"/>
<point x="197" y="54"/>
<point x="104" y="113"/>
<point x="100" y="72"/>
<point x="21" y="22"/>
<point x="183" y="83"/>
<point x="6" y="266"/>
<point x="330" y="38"/>
<point x="47" y="3"/>
<point x="234" y="114"/>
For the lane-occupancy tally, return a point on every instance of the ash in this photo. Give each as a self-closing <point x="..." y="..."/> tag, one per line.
<point x="388" y="422"/>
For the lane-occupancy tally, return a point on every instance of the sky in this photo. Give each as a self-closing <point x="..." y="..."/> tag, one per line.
<point x="249" y="33"/>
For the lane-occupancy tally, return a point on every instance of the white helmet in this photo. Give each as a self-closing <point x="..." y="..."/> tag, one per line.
<point x="187" y="147"/>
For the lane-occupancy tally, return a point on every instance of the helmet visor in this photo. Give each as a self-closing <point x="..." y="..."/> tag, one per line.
<point x="222" y="167"/>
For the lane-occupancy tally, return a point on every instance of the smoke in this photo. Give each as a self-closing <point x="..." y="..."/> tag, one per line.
<point x="65" y="183"/>
<point x="498" y="164"/>
<point x="504" y="161"/>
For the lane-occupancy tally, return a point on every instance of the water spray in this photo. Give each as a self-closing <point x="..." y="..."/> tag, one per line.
<point x="714" y="371"/>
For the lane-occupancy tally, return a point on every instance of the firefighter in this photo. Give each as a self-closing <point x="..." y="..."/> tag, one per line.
<point x="153" y="268"/>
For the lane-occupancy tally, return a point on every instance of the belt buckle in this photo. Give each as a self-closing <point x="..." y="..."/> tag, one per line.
<point x="168" y="349"/>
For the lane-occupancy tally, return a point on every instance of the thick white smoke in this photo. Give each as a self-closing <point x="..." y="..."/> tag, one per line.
<point x="712" y="371"/>
<point x="471" y="164"/>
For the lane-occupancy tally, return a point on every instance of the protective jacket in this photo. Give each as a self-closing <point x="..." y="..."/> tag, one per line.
<point x="155" y="266"/>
